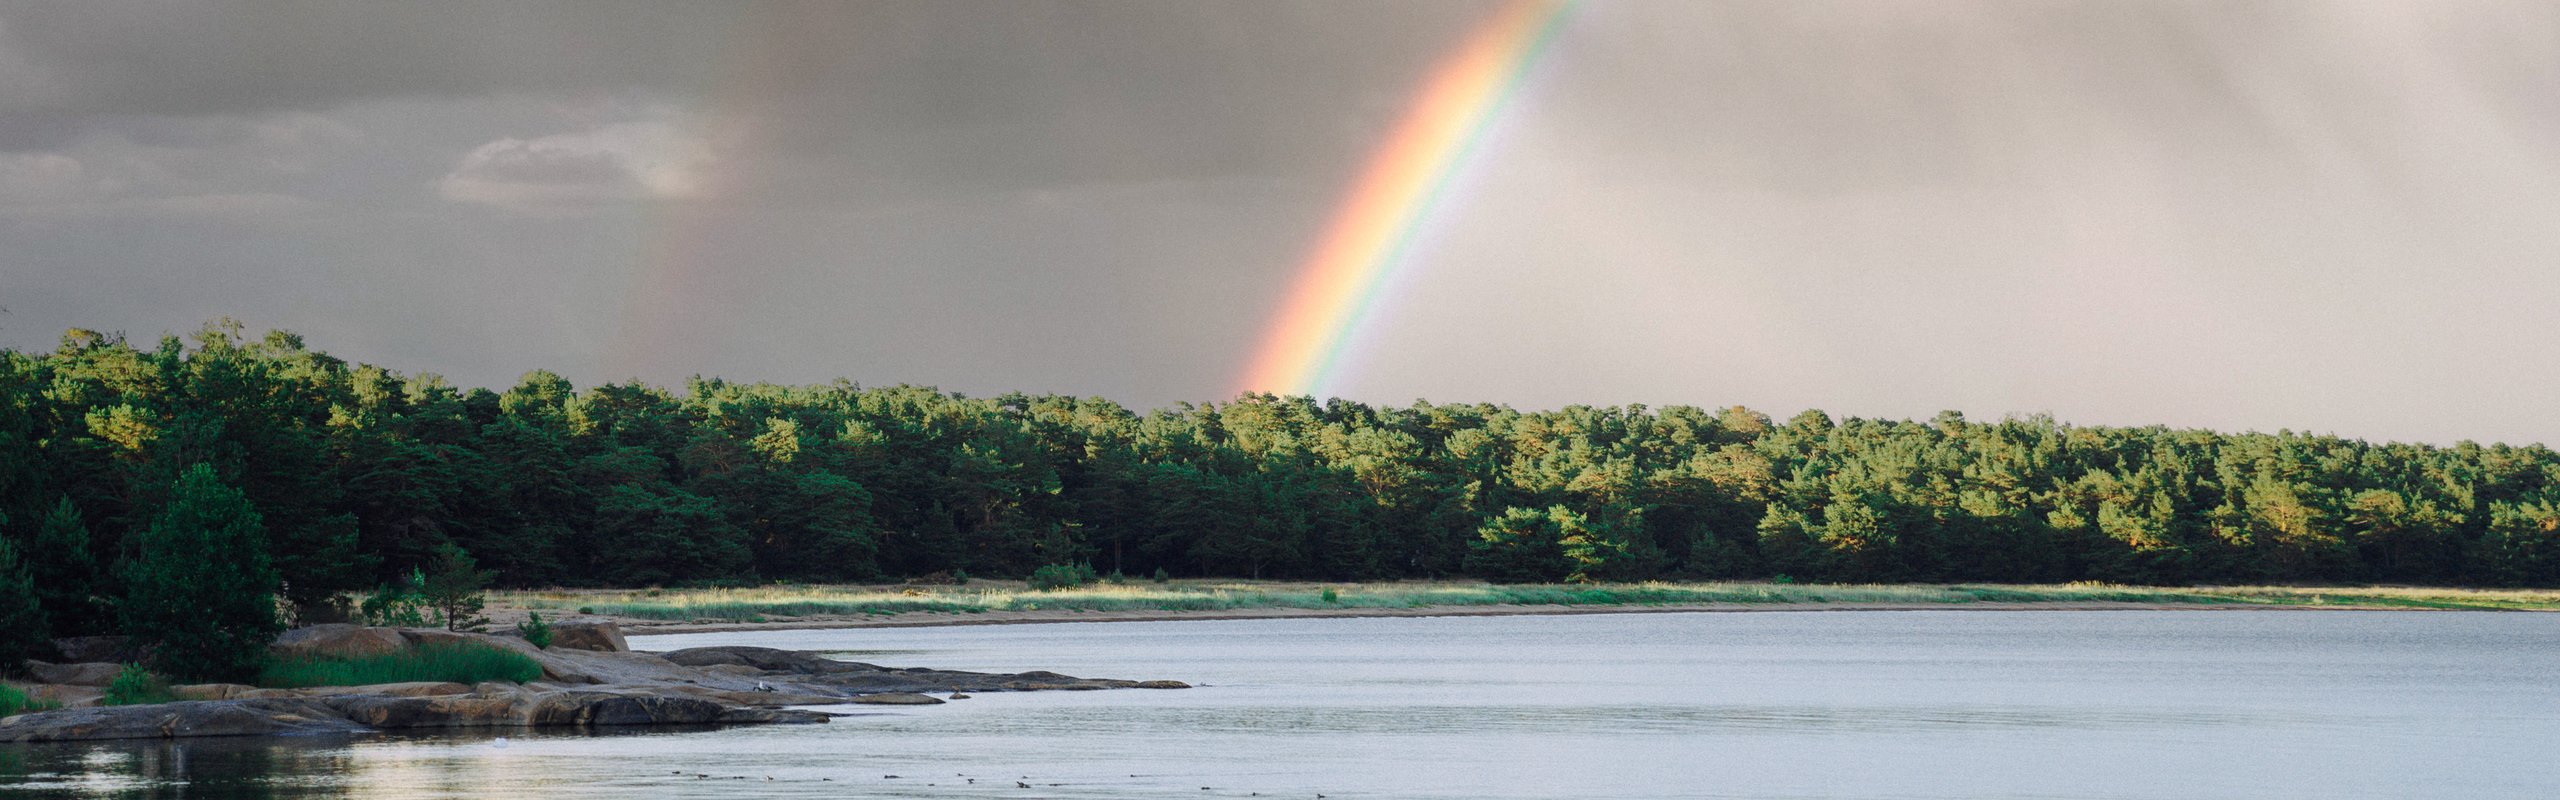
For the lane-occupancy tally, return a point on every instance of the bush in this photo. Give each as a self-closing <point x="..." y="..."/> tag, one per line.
<point x="200" y="593"/>
<point x="398" y="605"/>
<point x="587" y="610"/>
<point x="14" y="702"/>
<point x="1331" y="596"/>
<point x="535" y="631"/>
<point x="1062" y="576"/>
<point x="455" y="662"/>
<point x="136" y="686"/>
<point x="1163" y="576"/>
<point x="450" y="598"/>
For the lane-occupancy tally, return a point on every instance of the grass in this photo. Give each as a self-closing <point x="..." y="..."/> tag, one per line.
<point x="757" y="604"/>
<point x="434" y="661"/>
<point x="14" y="701"/>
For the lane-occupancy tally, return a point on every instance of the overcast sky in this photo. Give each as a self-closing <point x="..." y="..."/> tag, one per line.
<point x="2321" y="215"/>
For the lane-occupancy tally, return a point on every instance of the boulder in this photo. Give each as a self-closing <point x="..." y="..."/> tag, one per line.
<point x="81" y="649"/>
<point x="338" y="640"/>
<point x="90" y="674"/>
<point x="897" y="699"/>
<point x="463" y="711"/>
<point x="600" y="636"/>
<point x="60" y="696"/>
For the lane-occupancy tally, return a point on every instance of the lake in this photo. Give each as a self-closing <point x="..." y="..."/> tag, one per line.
<point x="1812" y="704"/>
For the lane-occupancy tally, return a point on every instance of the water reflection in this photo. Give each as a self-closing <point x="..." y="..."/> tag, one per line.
<point x="434" y="764"/>
<point x="1904" y="705"/>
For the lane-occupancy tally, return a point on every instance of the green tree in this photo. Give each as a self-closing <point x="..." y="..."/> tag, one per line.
<point x="1525" y="545"/>
<point x="201" y="594"/>
<point x="457" y="589"/>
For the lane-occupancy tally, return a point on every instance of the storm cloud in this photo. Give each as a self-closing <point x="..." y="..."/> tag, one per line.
<point x="2317" y="215"/>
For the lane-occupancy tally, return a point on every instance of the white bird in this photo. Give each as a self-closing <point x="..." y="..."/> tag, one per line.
<point x="762" y="686"/>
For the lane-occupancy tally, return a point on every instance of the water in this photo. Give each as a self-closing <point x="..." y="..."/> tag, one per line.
<point x="1924" y="704"/>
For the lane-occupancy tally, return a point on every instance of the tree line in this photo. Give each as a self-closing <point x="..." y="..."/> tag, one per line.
<point x="359" y="474"/>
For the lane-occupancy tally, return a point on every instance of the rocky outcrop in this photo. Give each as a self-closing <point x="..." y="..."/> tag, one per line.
<point x="810" y="669"/>
<point x="278" y="717"/>
<point x="92" y="674"/>
<point x="338" y="641"/>
<point x="360" y="713"/>
<point x="898" y="699"/>
<point x="590" y="635"/>
<point x="700" y="686"/>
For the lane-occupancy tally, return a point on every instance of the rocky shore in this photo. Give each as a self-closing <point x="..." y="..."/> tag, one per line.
<point x="589" y="678"/>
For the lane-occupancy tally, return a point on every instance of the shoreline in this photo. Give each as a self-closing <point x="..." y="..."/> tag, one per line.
<point x="940" y="619"/>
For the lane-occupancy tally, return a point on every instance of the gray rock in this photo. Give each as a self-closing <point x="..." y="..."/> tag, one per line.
<point x="90" y="674"/>
<point x="601" y="636"/>
<point x="80" y="649"/>
<point x="767" y="659"/>
<point x="274" y="717"/>
<point x="787" y="716"/>
<point x="214" y="691"/>
<point x="898" y="699"/>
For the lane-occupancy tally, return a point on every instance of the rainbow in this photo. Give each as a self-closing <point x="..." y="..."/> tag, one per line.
<point x="1366" y="241"/>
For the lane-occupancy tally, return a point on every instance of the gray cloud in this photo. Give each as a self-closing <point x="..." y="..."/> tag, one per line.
<point x="2330" y="215"/>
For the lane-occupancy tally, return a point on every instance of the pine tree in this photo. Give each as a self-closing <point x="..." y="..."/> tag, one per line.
<point x="66" y="574"/>
<point x="201" y="593"/>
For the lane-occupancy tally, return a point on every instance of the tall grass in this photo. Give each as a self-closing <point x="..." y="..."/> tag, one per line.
<point x="13" y="702"/>
<point x="433" y="661"/>
<point x="761" y="603"/>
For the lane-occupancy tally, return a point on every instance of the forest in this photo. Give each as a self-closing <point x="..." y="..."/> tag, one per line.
<point x="359" y="474"/>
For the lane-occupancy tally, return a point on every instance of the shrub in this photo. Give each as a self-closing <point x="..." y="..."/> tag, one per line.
<point x="398" y="605"/>
<point x="1330" y="596"/>
<point x="201" y="593"/>
<point x="136" y="686"/>
<point x="1062" y="576"/>
<point x="456" y="662"/>
<point x="959" y="577"/>
<point x="587" y="610"/>
<point x="1163" y="576"/>
<point x="535" y="631"/>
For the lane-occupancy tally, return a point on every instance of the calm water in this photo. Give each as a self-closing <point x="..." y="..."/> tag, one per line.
<point x="1928" y="704"/>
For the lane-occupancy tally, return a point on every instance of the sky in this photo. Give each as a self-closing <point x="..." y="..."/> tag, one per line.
<point x="2326" y="215"/>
